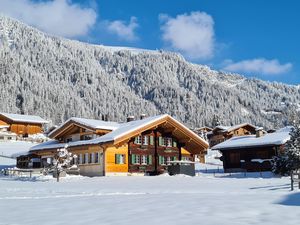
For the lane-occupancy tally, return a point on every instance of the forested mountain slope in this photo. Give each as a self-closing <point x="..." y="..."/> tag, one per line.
<point x="58" y="78"/>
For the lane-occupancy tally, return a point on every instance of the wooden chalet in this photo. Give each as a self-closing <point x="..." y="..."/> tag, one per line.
<point x="134" y="147"/>
<point x="252" y="152"/>
<point x="223" y="133"/>
<point x="22" y="125"/>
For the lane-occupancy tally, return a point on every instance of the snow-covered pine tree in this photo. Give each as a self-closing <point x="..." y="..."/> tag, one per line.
<point x="289" y="160"/>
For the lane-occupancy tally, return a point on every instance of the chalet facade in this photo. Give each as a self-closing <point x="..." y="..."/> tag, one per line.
<point x="252" y="152"/>
<point x="109" y="148"/>
<point x="222" y="133"/>
<point x="22" y="125"/>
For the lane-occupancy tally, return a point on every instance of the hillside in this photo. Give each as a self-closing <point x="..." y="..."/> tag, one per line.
<point x="58" y="78"/>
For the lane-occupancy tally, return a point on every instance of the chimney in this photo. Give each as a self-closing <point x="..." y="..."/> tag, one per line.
<point x="142" y="116"/>
<point x="259" y="132"/>
<point x="130" y="118"/>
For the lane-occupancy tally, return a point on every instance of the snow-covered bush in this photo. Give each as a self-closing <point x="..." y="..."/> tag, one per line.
<point x="63" y="161"/>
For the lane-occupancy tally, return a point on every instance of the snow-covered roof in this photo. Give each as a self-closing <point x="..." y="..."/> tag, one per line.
<point x="231" y="128"/>
<point x="24" y="118"/>
<point x="13" y="148"/>
<point x="4" y="126"/>
<point x="92" y="123"/>
<point x="97" y="124"/>
<point x="120" y="130"/>
<point x="277" y="138"/>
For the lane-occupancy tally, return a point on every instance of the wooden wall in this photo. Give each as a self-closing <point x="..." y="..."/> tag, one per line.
<point x="110" y="159"/>
<point x="232" y="159"/>
<point x="23" y="129"/>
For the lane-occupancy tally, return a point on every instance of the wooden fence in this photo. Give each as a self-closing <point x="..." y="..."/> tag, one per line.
<point x="17" y="172"/>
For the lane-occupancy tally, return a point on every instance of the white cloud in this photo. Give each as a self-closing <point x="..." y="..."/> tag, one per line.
<point x="58" y="17"/>
<point x="192" y="34"/>
<point x="259" y="65"/>
<point x="122" y="30"/>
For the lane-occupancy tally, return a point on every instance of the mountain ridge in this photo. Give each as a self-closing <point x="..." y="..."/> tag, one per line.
<point x="57" y="78"/>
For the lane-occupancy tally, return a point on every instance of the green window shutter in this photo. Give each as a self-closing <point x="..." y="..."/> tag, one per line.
<point x="135" y="140"/>
<point x="150" y="159"/>
<point x="116" y="158"/>
<point x="160" y="141"/>
<point x="132" y="159"/>
<point x="159" y="160"/>
<point x="151" y="140"/>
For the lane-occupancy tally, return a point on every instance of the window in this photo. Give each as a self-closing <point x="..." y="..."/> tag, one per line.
<point x="120" y="159"/>
<point x="87" y="137"/>
<point x="138" y="140"/>
<point x="168" y="160"/>
<point x="1" y="138"/>
<point x="168" y="142"/>
<point x="161" y="141"/>
<point x="92" y="158"/>
<point x="80" y="159"/>
<point x="135" y="159"/>
<point x="184" y="158"/>
<point x="145" y="140"/>
<point x="86" y="158"/>
<point x="150" y="159"/>
<point x="9" y="138"/>
<point x="68" y="140"/>
<point x="162" y="160"/>
<point x="144" y="160"/>
<point x="96" y="157"/>
<point x="174" y="144"/>
<point x="151" y="140"/>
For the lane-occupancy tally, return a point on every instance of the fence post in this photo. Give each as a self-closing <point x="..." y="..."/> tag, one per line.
<point x="292" y="181"/>
<point x="299" y="180"/>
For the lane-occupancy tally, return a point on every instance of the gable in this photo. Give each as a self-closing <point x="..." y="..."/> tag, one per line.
<point x="166" y="124"/>
<point x="73" y="127"/>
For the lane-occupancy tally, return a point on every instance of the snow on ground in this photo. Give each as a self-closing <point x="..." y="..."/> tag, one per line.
<point x="204" y="199"/>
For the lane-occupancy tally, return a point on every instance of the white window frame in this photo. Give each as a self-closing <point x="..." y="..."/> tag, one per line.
<point x="138" y="140"/>
<point x="137" y="160"/>
<point x="145" y="140"/>
<point x="144" y="160"/>
<point x="168" y="142"/>
<point x="168" y="160"/>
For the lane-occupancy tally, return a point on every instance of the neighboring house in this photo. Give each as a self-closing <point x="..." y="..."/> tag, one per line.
<point x="252" y="152"/>
<point x="223" y="133"/>
<point x="22" y="125"/>
<point x="202" y="130"/>
<point x="7" y="136"/>
<point x="110" y="148"/>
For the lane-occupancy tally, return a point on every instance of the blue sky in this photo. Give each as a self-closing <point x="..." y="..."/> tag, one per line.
<point x="252" y="37"/>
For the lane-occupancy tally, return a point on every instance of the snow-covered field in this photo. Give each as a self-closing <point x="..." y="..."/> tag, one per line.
<point x="204" y="199"/>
